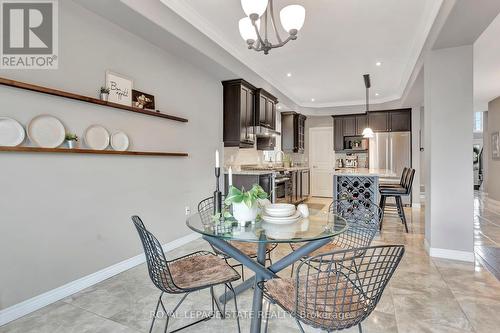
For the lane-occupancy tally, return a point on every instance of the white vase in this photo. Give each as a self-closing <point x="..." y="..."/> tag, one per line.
<point x="242" y="213"/>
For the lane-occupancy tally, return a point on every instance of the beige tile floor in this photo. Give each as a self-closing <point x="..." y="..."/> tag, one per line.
<point x="487" y="232"/>
<point x="425" y="295"/>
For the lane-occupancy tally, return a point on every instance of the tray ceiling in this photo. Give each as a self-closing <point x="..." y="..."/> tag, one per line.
<point x="340" y="41"/>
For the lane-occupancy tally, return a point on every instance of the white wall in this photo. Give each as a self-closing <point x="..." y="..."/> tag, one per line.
<point x="448" y="142"/>
<point x="415" y="152"/>
<point x="66" y="216"/>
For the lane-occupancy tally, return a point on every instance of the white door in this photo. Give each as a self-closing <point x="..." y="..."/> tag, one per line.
<point x="321" y="159"/>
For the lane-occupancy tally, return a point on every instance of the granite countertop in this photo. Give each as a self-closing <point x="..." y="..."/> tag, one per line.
<point x="364" y="172"/>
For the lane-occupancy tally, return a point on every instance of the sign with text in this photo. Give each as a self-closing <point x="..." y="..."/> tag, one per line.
<point x="29" y="32"/>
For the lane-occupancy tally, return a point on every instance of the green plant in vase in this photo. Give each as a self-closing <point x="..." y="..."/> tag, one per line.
<point x="71" y="139"/>
<point x="245" y="203"/>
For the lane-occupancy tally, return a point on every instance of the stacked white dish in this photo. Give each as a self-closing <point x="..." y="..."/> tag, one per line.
<point x="280" y="214"/>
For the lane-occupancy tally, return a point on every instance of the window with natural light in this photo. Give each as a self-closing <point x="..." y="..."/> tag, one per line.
<point x="478" y="121"/>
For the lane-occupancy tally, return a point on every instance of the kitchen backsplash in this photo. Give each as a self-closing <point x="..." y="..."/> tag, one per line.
<point x="362" y="158"/>
<point x="234" y="156"/>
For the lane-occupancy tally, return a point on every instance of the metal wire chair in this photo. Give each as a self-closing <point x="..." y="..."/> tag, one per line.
<point x="206" y="211"/>
<point x="342" y="293"/>
<point x="184" y="275"/>
<point x="363" y="217"/>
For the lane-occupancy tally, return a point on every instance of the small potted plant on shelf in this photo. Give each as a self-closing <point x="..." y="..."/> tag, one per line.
<point x="245" y="203"/>
<point x="104" y="93"/>
<point x="71" y="140"/>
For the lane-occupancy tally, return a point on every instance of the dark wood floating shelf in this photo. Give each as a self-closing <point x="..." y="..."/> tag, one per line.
<point x="88" y="151"/>
<point x="60" y="93"/>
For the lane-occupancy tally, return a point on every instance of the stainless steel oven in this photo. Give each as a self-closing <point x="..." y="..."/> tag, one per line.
<point x="282" y="188"/>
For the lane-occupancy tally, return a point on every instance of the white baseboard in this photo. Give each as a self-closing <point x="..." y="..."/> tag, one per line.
<point x="451" y="254"/>
<point x="21" y="309"/>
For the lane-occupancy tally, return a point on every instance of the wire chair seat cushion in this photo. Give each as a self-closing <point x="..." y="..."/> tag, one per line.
<point x="201" y="270"/>
<point x="328" y="292"/>
<point x="363" y="217"/>
<point x="340" y="290"/>
<point x="330" y="247"/>
<point x="250" y="249"/>
<point x="160" y="269"/>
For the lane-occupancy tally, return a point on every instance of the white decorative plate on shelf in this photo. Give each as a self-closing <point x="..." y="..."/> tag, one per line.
<point x="119" y="141"/>
<point x="282" y="220"/>
<point x="46" y="131"/>
<point x="96" y="137"/>
<point x="280" y="210"/>
<point x="11" y="132"/>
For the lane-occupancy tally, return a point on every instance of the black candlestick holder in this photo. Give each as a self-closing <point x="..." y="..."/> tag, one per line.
<point x="217" y="194"/>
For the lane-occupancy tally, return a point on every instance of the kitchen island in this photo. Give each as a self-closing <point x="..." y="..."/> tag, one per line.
<point x="359" y="183"/>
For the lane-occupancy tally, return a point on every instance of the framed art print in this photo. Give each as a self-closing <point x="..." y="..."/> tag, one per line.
<point x="120" y="88"/>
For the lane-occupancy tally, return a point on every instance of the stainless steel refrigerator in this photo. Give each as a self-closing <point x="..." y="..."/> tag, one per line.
<point x="391" y="151"/>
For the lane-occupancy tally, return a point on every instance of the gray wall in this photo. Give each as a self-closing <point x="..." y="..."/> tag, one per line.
<point x="493" y="166"/>
<point x="66" y="216"/>
<point x="449" y="195"/>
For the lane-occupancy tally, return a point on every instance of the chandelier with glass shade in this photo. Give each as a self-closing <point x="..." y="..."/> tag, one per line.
<point x="260" y="23"/>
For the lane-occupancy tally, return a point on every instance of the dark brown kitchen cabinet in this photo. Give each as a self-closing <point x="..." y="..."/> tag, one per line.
<point x="305" y="180"/>
<point x="239" y="114"/>
<point x="391" y="121"/>
<point x="265" y="109"/>
<point x="338" y="133"/>
<point x="400" y="121"/>
<point x="293" y="132"/>
<point x="349" y="126"/>
<point x="361" y="124"/>
<point x="379" y="121"/>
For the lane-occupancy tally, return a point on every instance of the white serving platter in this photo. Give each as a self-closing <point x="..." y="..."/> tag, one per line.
<point x="12" y="133"/>
<point x="280" y="210"/>
<point x="120" y="141"/>
<point x="46" y="131"/>
<point x="96" y="137"/>
<point x="282" y="220"/>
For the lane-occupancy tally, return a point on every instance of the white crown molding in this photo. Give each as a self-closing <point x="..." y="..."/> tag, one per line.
<point x="189" y="14"/>
<point x="21" y="309"/>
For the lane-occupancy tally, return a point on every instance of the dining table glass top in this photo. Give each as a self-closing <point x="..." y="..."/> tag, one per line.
<point x="319" y="225"/>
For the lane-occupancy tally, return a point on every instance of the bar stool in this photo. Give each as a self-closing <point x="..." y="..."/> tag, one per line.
<point x="404" y="174"/>
<point x="398" y="192"/>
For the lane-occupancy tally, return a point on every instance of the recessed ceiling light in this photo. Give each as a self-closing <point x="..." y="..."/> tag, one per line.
<point x="378" y="63"/>
<point x="289" y="74"/>
<point x="376" y="94"/>
<point x="312" y="99"/>
<point x="279" y="107"/>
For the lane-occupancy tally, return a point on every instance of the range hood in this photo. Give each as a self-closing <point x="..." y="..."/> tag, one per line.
<point x="265" y="131"/>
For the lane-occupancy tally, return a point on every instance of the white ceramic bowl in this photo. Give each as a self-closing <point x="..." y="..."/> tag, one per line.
<point x="280" y="210"/>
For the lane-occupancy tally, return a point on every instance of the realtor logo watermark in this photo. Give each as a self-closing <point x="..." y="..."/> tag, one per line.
<point x="29" y="33"/>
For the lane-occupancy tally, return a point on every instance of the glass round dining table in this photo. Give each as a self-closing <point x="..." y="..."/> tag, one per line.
<point x="314" y="232"/>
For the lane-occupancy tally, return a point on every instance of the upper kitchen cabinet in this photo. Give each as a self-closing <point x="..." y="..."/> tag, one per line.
<point x="390" y="121"/>
<point x="239" y="114"/>
<point x="361" y="123"/>
<point x="338" y="133"/>
<point x="293" y="132"/>
<point x="265" y="109"/>
<point x="379" y="121"/>
<point x="349" y="125"/>
<point x="400" y="120"/>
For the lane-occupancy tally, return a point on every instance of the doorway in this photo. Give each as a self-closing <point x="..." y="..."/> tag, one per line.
<point x="321" y="158"/>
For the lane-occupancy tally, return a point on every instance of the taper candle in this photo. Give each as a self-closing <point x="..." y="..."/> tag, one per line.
<point x="230" y="177"/>
<point x="217" y="158"/>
